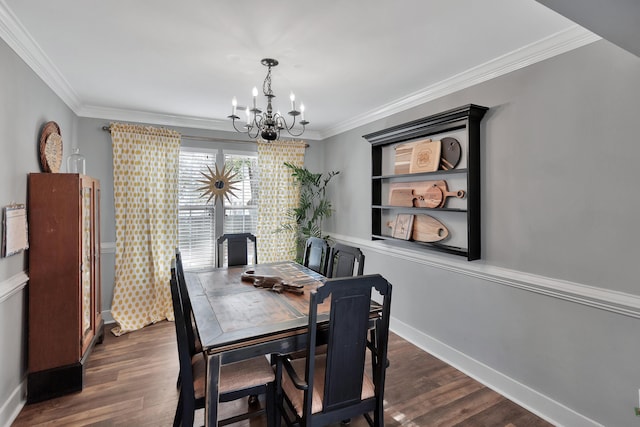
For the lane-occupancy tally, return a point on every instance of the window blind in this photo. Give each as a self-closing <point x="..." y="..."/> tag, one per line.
<point x="241" y="210"/>
<point x="196" y="218"/>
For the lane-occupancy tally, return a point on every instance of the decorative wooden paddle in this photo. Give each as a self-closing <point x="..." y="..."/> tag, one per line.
<point x="450" y="154"/>
<point x="275" y="283"/>
<point x="436" y="196"/>
<point x="425" y="229"/>
<point x="428" y="229"/>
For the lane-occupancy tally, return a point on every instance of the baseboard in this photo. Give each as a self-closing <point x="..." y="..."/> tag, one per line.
<point x="535" y="402"/>
<point x="107" y="317"/>
<point x="14" y="404"/>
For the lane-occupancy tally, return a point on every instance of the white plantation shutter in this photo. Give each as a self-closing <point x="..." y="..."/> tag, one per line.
<point x="196" y="218"/>
<point x="241" y="210"/>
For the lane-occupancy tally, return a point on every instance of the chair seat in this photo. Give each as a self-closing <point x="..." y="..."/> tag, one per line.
<point x="233" y="376"/>
<point x="297" y="396"/>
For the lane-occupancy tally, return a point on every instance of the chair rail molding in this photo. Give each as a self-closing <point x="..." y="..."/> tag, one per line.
<point x="13" y="285"/>
<point x="108" y="247"/>
<point x="614" y="301"/>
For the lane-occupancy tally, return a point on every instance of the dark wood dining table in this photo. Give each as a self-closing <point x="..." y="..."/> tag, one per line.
<point x="237" y="321"/>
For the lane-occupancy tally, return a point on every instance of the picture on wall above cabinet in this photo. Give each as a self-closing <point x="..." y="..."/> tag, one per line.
<point x="425" y="182"/>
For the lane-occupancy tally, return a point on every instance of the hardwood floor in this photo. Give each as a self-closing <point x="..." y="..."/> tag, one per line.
<point x="131" y="381"/>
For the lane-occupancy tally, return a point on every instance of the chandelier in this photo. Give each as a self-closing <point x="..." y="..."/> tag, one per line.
<point x="268" y="124"/>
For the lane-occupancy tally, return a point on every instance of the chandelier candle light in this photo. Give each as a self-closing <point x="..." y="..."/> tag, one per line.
<point x="268" y="124"/>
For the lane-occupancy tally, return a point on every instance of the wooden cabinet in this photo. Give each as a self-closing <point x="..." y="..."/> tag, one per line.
<point x="65" y="318"/>
<point x="459" y="216"/>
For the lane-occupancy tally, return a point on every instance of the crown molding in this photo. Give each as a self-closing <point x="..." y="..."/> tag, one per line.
<point x="108" y="113"/>
<point x="123" y="114"/>
<point x="17" y="37"/>
<point x="555" y="44"/>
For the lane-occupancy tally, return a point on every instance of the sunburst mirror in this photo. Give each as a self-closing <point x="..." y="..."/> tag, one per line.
<point x="218" y="184"/>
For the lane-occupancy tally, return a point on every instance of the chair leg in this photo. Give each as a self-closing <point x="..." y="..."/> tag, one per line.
<point x="277" y="395"/>
<point x="177" y="418"/>
<point x="378" y="416"/>
<point x="271" y="405"/>
<point x="188" y="413"/>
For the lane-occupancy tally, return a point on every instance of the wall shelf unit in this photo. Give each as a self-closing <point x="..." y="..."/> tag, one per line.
<point x="459" y="216"/>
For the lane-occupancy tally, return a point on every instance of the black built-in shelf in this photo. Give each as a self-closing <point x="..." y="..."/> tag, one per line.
<point x="465" y="120"/>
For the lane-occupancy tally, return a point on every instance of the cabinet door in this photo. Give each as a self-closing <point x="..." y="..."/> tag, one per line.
<point x="86" y="263"/>
<point x="96" y="284"/>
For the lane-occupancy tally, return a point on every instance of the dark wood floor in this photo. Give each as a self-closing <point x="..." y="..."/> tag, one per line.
<point x="131" y="381"/>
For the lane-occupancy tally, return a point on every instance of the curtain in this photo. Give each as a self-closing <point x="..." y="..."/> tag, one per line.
<point x="278" y="195"/>
<point x="145" y="186"/>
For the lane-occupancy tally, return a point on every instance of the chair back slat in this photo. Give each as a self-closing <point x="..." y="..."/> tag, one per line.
<point x="348" y="328"/>
<point x="343" y="261"/>
<point x="237" y="249"/>
<point x="187" y="310"/>
<point x="184" y="353"/>
<point x="316" y="254"/>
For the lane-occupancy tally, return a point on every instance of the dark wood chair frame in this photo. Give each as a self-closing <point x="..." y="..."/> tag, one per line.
<point x="316" y="254"/>
<point x="342" y="261"/>
<point x="345" y="363"/>
<point x="237" y="249"/>
<point x="187" y="402"/>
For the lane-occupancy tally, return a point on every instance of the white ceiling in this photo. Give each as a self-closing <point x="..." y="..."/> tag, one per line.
<point x="180" y="63"/>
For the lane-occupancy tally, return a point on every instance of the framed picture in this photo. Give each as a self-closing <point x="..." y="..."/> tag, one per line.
<point x="403" y="227"/>
<point x="14" y="226"/>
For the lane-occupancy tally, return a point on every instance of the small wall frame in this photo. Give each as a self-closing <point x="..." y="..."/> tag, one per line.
<point x="15" y="237"/>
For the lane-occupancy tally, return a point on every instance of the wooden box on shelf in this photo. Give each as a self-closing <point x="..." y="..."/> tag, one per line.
<point x="443" y="200"/>
<point x="65" y="318"/>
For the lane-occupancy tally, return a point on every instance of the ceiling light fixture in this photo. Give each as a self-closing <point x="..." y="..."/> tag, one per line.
<point x="268" y="124"/>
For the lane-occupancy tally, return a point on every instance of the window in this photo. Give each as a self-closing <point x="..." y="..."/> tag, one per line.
<point x="199" y="222"/>
<point x="241" y="210"/>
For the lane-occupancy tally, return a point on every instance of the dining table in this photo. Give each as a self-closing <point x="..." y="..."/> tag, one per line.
<point x="236" y="320"/>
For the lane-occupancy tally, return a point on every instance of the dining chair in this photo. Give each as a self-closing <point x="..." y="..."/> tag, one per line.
<point x="237" y="380"/>
<point x="316" y="254"/>
<point x="321" y="389"/>
<point x="237" y="249"/>
<point x="192" y="338"/>
<point x="343" y="260"/>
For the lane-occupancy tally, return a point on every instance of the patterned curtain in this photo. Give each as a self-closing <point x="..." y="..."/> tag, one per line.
<point x="145" y="186"/>
<point x="278" y="194"/>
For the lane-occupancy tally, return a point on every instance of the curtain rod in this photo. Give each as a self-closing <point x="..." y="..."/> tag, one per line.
<point x="205" y="138"/>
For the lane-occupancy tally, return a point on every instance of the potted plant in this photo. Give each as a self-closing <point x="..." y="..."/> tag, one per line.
<point x="306" y="219"/>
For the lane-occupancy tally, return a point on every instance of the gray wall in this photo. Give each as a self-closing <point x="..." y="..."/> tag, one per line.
<point x="27" y="103"/>
<point x="560" y="203"/>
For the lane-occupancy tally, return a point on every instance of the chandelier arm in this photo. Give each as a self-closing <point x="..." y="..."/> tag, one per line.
<point x="268" y="124"/>
<point x="234" y="126"/>
<point x="296" y="134"/>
